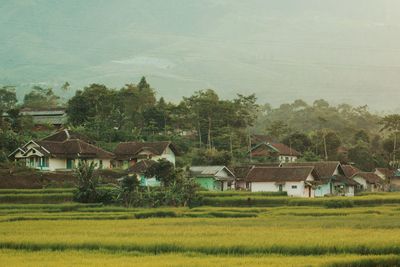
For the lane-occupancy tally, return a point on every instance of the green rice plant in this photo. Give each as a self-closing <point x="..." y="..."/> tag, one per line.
<point x="155" y="214"/>
<point x="36" y="198"/>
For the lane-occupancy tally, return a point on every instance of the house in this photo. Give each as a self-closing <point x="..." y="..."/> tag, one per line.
<point x="61" y="151"/>
<point x="241" y="173"/>
<point x="129" y="153"/>
<point x="213" y="178"/>
<point x="369" y="181"/>
<point x="42" y="117"/>
<point x="336" y="185"/>
<point x="274" y="151"/>
<point x="140" y="169"/>
<point x="296" y="181"/>
<point x="332" y="178"/>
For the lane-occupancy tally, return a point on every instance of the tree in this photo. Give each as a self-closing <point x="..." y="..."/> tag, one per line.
<point x="391" y="123"/>
<point x="41" y="97"/>
<point x="277" y="129"/>
<point x="362" y="157"/>
<point x="87" y="183"/>
<point x="361" y="136"/>
<point x="298" y="141"/>
<point x="163" y="171"/>
<point x="8" y="100"/>
<point x="129" y="190"/>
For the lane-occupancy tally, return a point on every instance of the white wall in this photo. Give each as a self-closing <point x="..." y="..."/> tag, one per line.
<point x="168" y="154"/>
<point x="361" y="181"/>
<point x="56" y="164"/>
<point x="299" y="191"/>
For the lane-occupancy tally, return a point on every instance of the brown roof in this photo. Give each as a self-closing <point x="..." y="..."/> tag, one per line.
<point x="75" y="148"/>
<point x="323" y="168"/>
<point x="279" y="174"/>
<point x="369" y="177"/>
<point x="349" y="170"/>
<point x="64" y="135"/>
<point x="141" y="166"/>
<point x="386" y="172"/>
<point x="241" y="172"/>
<point x="285" y="150"/>
<point x="128" y="150"/>
<point x="344" y="180"/>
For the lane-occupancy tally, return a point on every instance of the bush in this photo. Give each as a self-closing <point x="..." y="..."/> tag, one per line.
<point x="335" y="204"/>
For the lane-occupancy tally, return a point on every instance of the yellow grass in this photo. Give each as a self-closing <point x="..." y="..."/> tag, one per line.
<point x="84" y="258"/>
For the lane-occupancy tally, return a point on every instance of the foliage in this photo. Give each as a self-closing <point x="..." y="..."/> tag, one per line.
<point x="211" y="157"/>
<point x="87" y="183"/>
<point x="41" y="97"/>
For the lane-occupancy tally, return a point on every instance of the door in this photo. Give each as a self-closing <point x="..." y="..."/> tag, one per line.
<point x="280" y="188"/>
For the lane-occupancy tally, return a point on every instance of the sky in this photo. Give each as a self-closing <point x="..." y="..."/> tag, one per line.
<point x="282" y="50"/>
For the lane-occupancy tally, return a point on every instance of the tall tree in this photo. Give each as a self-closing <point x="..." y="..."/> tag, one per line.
<point x="41" y="97"/>
<point x="391" y="123"/>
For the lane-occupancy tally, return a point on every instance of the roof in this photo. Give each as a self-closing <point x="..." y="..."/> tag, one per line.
<point x="386" y="172"/>
<point x="207" y="171"/>
<point x="369" y="177"/>
<point x="53" y="116"/>
<point x="141" y="167"/>
<point x="64" y="135"/>
<point x="349" y="170"/>
<point x="279" y="148"/>
<point x="344" y="180"/>
<point x="323" y="168"/>
<point x="75" y="148"/>
<point x="242" y="171"/>
<point x="127" y="150"/>
<point x="279" y="174"/>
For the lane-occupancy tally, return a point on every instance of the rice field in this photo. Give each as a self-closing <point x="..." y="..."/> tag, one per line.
<point x="65" y="234"/>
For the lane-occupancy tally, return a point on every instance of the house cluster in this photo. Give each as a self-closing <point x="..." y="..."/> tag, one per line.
<point x="64" y="149"/>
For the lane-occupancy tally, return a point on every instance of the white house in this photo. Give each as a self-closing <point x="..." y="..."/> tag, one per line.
<point x="296" y="181"/>
<point x="369" y="181"/>
<point x="61" y="151"/>
<point x="128" y="154"/>
<point x="279" y="151"/>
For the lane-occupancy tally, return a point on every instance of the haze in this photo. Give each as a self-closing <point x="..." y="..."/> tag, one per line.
<point x="282" y="50"/>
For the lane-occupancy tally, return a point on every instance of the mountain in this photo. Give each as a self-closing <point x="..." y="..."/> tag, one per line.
<point x="343" y="51"/>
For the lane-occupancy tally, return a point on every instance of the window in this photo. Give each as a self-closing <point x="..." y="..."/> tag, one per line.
<point x="294" y="186"/>
<point x="280" y="188"/>
<point x="100" y="164"/>
<point x="45" y="162"/>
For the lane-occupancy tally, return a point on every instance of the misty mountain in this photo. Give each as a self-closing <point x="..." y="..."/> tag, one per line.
<point x="343" y="51"/>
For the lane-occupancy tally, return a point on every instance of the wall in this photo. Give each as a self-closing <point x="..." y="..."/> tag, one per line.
<point x="361" y="181"/>
<point x="287" y="187"/>
<point x="56" y="164"/>
<point x="168" y="154"/>
<point x="206" y="182"/>
<point x="322" y="190"/>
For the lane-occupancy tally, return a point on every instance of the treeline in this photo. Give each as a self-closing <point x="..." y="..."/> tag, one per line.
<point x="208" y="129"/>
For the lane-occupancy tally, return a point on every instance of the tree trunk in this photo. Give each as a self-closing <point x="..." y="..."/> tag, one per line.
<point x="199" y="131"/>
<point x="249" y="144"/>
<point x="230" y="144"/>
<point x="325" y="149"/>
<point x="394" y="147"/>
<point x="209" y="133"/>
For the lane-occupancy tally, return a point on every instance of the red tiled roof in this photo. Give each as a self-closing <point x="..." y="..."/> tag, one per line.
<point x="279" y="174"/>
<point x="141" y="166"/>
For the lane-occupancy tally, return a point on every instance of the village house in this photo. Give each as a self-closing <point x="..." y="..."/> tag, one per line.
<point x="213" y="178"/>
<point x="369" y="181"/>
<point x="296" y="181"/>
<point x="127" y="154"/>
<point x="332" y="179"/>
<point x="61" y="151"/>
<point x="44" y="117"/>
<point x="349" y="170"/>
<point x="274" y="152"/>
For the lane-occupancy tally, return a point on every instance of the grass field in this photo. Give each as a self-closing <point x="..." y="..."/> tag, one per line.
<point x="65" y="234"/>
